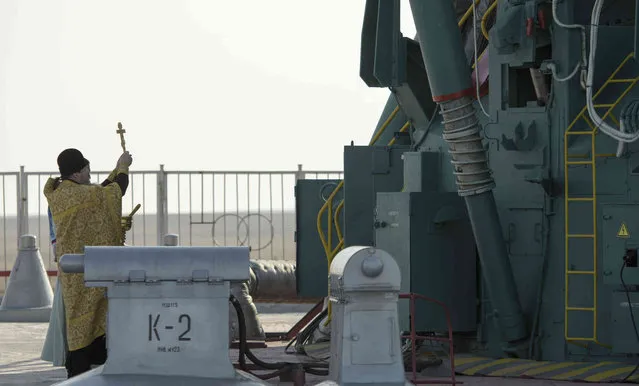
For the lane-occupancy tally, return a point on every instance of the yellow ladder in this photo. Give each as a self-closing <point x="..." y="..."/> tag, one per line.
<point x="583" y="115"/>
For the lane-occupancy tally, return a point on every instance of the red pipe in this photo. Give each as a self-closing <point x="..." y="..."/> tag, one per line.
<point x="7" y="273"/>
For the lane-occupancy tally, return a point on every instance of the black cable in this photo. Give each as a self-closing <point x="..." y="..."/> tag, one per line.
<point x="632" y="315"/>
<point x="279" y="367"/>
<point x="304" y="336"/>
<point x="312" y="371"/>
<point x="243" y="347"/>
<point x="289" y="346"/>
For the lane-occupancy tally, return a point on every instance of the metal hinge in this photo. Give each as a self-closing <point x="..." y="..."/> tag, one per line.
<point x="136" y="277"/>
<point x="200" y="275"/>
<point x="197" y="276"/>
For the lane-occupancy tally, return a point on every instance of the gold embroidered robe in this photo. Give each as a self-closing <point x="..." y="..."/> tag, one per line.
<point x="84" y="215"/>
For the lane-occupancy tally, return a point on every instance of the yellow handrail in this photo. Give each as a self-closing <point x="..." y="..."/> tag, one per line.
<point x="384" y="126"/>
<point x="341" y="204"/>
<point x="467" y="14"/>
<point x="336" y="221"/>
<point x="326" y="241"/>
<point x="403" y="129"/>
<point x="339" y="208"/>
<point x="592" y="198"/>
<point x="328" y="203"/>
<point x="484" y="19"/>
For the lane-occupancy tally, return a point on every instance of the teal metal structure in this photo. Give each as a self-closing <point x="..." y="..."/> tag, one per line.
<point x="516" y="200"/>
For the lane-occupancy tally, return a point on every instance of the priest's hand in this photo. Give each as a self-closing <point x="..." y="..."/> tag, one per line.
<point x="125" y="160"/>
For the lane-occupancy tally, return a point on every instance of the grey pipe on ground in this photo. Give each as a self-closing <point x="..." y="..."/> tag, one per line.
<point x="273" y="279"/>
<point x="269" y="280"/>
<point x="254" y="330"/>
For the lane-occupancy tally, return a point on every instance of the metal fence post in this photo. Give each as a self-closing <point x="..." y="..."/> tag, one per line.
<point x="18" y="206"/>
<point x="23" y="203"/>
<point x="162" y="209"/>
<point x="299" y="174"/>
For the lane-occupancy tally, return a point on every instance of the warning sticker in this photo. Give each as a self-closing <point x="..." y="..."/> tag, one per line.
<point x="623" y="231"/>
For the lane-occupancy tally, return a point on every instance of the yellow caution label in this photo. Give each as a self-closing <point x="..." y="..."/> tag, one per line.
<point x="623" y="231"/>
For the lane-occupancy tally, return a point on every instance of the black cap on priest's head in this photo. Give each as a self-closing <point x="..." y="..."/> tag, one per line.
<point x="71" y="161"/>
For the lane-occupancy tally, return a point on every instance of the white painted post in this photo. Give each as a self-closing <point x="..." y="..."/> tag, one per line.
<point x="300" y="174"/>
<point x="162" y="216"/>
<point x="23" y="203"/>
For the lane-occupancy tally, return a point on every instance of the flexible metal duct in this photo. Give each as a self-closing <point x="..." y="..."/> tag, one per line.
<point x="254" y="330"/>
<point x="273" y="279"/>
<point x="269" y="280"/>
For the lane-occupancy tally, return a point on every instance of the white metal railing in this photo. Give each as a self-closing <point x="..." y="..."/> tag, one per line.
<point x="254" y="208"/>
<point x="9" y="182"/>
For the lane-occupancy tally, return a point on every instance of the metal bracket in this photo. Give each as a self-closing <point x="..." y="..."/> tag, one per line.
<point x="200" y="275"/>
<point x="137" y="276"/>
<point x="546" y="66"/>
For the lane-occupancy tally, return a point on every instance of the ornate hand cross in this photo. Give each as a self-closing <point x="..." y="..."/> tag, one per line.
<point x="121" y="131"/>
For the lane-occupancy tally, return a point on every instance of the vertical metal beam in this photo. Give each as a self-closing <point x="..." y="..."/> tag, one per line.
<point x="636" y="30"/>
<point x="162" y="215"/>
<point x="383" y="53"/>
<point x="368" y="42"/>
<point x="390" y="59"/>
<point x="23" y="182"/>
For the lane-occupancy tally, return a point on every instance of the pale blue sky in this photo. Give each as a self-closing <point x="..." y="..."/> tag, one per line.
<point x="198" y="84"/>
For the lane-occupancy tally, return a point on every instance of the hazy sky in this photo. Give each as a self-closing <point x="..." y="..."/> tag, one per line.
<point x="197" y="84"/>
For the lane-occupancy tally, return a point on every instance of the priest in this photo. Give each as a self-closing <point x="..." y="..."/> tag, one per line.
<point x="85" y="214"/>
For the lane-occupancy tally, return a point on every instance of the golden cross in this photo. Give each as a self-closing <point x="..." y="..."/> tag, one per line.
<point x="121" y="131"/>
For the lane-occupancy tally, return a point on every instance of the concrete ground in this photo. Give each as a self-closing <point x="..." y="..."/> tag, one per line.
<point x="21" y="343"/>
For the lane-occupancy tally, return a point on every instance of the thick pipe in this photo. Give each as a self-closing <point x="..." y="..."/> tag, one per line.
<point x="269" y="279"/>
<point x="72" y="263"/>
<point x="254" y="330"/>
<point x="450" y="83"/>
<point x="436" y="19"/>
<point x="272" y="279"/>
